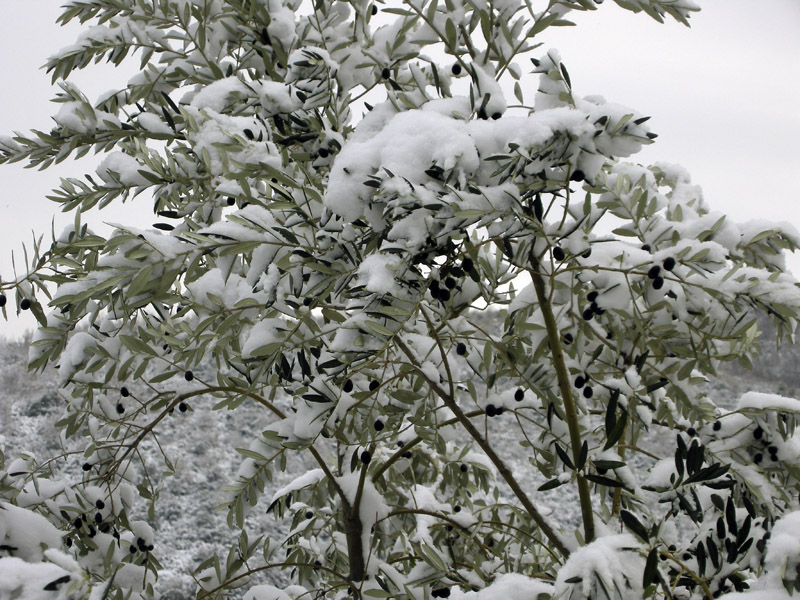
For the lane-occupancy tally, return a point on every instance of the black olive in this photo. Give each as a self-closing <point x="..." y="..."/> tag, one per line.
<point x="577" y="175"/>
<point x="86" y="467"/>
<point x="374" y="10"/>
<point x="491" y="410"/>
<point x="456" y="509"/>
<point x="482" y="114"/>
<point x="366" y="457"/>
<point x="309" y="514"/>
<point x="691" y="431"/>
<point x="496" y="116"/>
<point x="646" y="247"/>
<point x="669" y="263"/>
<point x="378" y="425"/>
<point x="654" y="271"/>
<point x="385" y="73"/>
<point x="588" y="314"/>
<point x="716" y="426"/>
<point x="450" y="282"/>
<point x="347" y="387"/>
<point x="3" y="300"/>
<point x="374" y="385"/>
<point x="456" y="69"/>
<point x="25" y="304"/>
<point x="658" y="283"/>
<point x="558" y="253"/>
<point x="588" y="392"/>
<point x="580" y="382"/>
<point x="183" y="407"/>
<point x="231" y="200"/>
<point x="519" y="395"/>
<point x="120" y="408"/>
<point x="591" y="296"/>
<point x="463" y="468"/>
<point x="467" y="264"/>
<point x="100" y="504"/>
<point x="758" y="432"/>
<point x="568" y="339"/>
<point x="323" y="152"/>
<point x="461" y="348"/>
<point x="188" y="376"/>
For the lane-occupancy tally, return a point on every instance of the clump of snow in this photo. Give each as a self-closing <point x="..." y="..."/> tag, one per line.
<point x="24" y="580"/>
<point x="26" y="532"/>
<point x="762" y="401"/>
<point x="153" y="123"/>
<point x="268" y="592"/>
<point x="276" y="98"/>
<point x="406" y="146"/>
<point x="217" y="94"/>
<point x="79" y="117"/>
<point x="307" y="479"/>
<point x="613" y="562"/>
<point x="260" y="336"/>
<point x="783" y="549"/>
<point x="510" y="586"/>
<point x="487" y="93"/>
<point x="120" y="168"/>
<point x="377" y="273"/>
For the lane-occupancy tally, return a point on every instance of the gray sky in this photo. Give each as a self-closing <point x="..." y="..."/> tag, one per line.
<point x="723" y="96"/>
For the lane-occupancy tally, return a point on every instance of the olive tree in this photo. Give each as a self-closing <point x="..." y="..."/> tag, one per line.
<point x="373" y="222"/>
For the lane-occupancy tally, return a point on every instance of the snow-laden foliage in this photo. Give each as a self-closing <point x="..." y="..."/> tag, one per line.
<point x="334" y="270"/>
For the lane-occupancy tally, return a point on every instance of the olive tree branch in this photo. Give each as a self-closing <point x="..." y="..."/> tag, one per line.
<point x="502" y="468"/>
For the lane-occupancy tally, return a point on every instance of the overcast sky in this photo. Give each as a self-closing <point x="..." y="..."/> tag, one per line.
<point x="724" y="98"/>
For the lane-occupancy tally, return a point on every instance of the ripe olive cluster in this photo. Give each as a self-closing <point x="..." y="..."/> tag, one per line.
<point x="24" y="304"/>
<point x="654" y="272"/>
<point x="560" y="254"/>
<point x="494" y="411"/>
<point x="593" y="308"/>
<point x="89" y="525"/>
<point x="582" y="383"/>
<point x="764" y="442"/>
<point x="449" y="279"/>
<point x="141" y="546"/>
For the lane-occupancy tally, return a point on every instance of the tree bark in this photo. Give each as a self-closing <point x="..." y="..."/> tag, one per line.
<point x="355" y="544"/>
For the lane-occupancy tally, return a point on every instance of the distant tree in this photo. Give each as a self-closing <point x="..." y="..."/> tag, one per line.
<point x="334" y="269"/>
